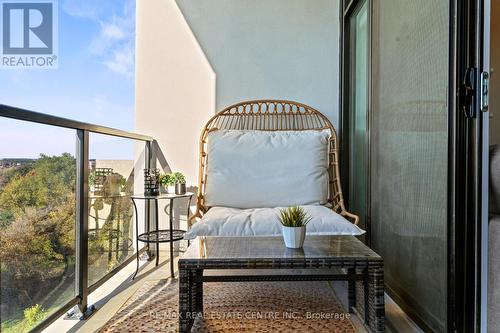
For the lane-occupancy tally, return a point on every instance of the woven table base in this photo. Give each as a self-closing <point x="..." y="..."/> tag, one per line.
<point x="237" y="307"/>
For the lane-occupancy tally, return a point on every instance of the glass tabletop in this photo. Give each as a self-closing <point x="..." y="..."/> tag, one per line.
<point x="273" y="247"/>
<point x="111" y="196"/>
<point x="162" y="196"/>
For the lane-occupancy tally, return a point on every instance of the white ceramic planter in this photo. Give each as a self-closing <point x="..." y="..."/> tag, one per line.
<point x="171" y="189"/>
<point x="294" y="236"/>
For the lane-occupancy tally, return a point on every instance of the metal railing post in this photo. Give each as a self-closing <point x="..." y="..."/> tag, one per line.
<point x="150" y="163"/>
<point x="82" y="221"/>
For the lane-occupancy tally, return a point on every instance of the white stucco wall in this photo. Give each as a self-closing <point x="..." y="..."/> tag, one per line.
<point x="195" y="57"/>
<point x="175" y="84"/>
<point x="270" y="48"/>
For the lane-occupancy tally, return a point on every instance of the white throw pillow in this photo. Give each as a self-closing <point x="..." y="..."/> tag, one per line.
<point x="248" y="169"/>
<point x="224" y="221"/>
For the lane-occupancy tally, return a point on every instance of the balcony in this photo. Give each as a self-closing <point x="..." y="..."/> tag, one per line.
<point x="386" y="74"/>
<point x="80" y="210"/>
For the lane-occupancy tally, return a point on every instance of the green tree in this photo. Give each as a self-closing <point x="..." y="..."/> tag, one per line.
<point x="48" y="184"/>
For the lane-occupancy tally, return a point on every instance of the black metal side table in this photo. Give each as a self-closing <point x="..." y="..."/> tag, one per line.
<point x="158" y="236"/>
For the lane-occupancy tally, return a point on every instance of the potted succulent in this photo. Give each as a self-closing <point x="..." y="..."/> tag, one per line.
<point x="168" y="182"/>
<point x="294" y="220"/>
<point x="180" y="183"/>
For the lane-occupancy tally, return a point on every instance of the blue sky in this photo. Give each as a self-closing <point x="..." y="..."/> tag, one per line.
<point x="94" y="81"/>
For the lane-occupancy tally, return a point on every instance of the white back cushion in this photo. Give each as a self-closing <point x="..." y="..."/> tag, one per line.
<point x="253" y="169"/>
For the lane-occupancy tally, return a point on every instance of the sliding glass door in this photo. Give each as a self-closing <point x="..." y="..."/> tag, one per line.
<point x="414" y="110"/>
<point x="396" y="137"/>
<point x="409" y="149"/>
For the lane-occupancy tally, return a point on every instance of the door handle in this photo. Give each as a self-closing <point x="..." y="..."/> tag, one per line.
<point x="468" y="92"/>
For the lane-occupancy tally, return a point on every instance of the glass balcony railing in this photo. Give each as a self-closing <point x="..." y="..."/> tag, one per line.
<point x="111" y="182"/>
<point x="65" y="213"/>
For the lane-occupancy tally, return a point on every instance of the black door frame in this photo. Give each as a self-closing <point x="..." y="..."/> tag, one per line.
<point x="467" y="237"/>
<point x="348" y="7"/>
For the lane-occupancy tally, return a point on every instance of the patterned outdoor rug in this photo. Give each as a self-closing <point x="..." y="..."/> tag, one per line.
<point x="237" y="307"/>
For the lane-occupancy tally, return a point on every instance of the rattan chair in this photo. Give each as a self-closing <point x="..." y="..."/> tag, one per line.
<point x="272" y="115"/>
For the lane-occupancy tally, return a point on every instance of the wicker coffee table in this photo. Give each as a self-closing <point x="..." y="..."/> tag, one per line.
<point x="236" y="259"/>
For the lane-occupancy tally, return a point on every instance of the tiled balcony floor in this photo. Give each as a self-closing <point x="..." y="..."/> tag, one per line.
<point x="110" y="297"/>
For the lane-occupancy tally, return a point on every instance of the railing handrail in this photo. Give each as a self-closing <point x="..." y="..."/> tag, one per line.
<point x="43" y="118"/>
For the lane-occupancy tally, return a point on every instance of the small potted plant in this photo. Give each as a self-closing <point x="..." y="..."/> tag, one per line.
<point x="294" y="220"/>
<point x="180" y="183"/>
<point x="168" y="182"/>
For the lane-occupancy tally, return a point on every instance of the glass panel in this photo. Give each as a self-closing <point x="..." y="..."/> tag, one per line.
<point x="409" y="151"/>
<point x="111" y="223"/>
<point x="358" y="148"/>
<point x="37" y="222"/>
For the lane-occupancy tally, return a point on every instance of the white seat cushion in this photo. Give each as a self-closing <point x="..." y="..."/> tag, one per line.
<point x="224" y="221"/>
<point x="248" y="169"/>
